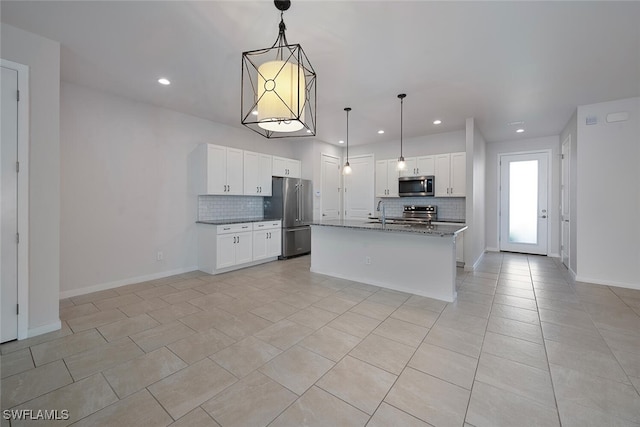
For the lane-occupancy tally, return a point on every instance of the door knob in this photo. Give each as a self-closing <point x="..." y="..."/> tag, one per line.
<point x="543" y="216"/>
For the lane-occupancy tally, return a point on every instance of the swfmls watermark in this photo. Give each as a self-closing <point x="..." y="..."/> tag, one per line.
<point x="36" y="414"/>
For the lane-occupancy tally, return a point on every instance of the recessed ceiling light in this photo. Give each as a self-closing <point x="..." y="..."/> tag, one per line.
<point x="164" y="81"/>
<point x="519" y="122"/>
<point x="341" y="142"/>
<point x="380" y="131"/>
<point x="437" y="122"/>
<point x="520" y="130"/>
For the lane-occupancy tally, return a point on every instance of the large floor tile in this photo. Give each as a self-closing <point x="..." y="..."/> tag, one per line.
<point x="573" y="415"/>
<point x="297" y="369"/>
<point x="275" y="311"/>
<point x="426" y="303"/>
<point x="389" y="297"/>
<point x="73" y="311"/>
<point x="80" y="399"/>
<point x="62" y="347"/>
<point x="183" y="391"/>
<point x="330" y="343"/>
<point x="455" y="340"/>
<point x="253" y="401"/>
<point x="162" y="335"/>
<point x="196" y="418"/>
<point x="94" y="296"/>
<point x="447" y="365"/>
<point x="401" y="331"/>
<point x="95" y="320"/>
<point x="354" y="324"/>
<point x="463" y="322"/>
<point x="142" y="307"/>
<point x="101" y="357"/>
<point x="245" y="356"/>
<point x="115" y="302"/>
<point x="568" y="317"/>
<point x="428" y="398"/>
<point x="30" y="384"/>
<point x="384" y="353"/>
<point x="242" y="325"/>
<point x="16" y="362"/>
<point x="11" y="346"/>
<point x="131" y="376"/>
<point x="211" y="299"/>
<point x="589" y="361"/>
<point x="577" y="337"/>
<point x="387" y="415"/>
<point x="358" y="383"/>
<point x="494" y="407"/>
<point x="335" y="304"/>
<point x="515" y="328"/>
<point x="317" y="408"/>
<point x="313" y="317"/>
<point x="515" y="349"/>
<point x="523" y="380"/>
<point x="418" y="316"/>
<point x="515" y="313"/>
<point x="126" y="327"/>
<point x="283" y="334"/>
<point x="611" y="397"/>
<point x="140" y="409"/>
<point x="200" y="345"/>
<point x="373" y="309"/>
<point x="173" y="312"/>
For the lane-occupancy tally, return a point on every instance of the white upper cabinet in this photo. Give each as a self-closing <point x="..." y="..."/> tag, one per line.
<point x="419" y="166"/>
<point x="387" y="178"/>
<point x="257" y="174"/>
<point x="288" y="168"/>
<point x="450" y="174"/>
<point x="220" y="170"/>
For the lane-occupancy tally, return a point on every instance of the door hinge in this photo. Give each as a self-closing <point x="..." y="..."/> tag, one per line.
<point x="18" y="95"/>
<point x="17" y="237"/>
<point x="17" y="167"/>
<point x="17" y="308"/>
<point x="562" y="156"/>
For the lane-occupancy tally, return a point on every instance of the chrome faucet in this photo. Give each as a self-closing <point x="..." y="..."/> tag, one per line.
<point x="384" y="217"/>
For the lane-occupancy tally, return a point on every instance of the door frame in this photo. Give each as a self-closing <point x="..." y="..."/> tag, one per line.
<point x="548" y="153"/>
<point x="23" y="195"/>
<point x="340" y="183"/>
<point x="565" y="195"/>
<point x="373" y="179"/>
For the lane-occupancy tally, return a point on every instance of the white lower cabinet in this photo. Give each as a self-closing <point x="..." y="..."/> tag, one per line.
<point x="228" y="247"/>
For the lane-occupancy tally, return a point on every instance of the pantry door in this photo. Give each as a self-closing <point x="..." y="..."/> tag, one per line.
<point x="524" y="215"/>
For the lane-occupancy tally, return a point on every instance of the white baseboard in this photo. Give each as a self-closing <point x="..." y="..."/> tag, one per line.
<point x="554" y="255"/>
<point x="492" y="250"/>
<point x="607" y="282"/>
<point x="572" y="273"/>
<point x="475" y="264"/>
<point x="110" y="285"/>
<point x="44" y="329"/>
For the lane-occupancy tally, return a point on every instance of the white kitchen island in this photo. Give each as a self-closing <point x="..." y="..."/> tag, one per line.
<point x="418" y="259"/>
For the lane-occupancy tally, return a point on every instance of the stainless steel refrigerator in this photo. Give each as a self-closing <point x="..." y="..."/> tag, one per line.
<point x="291" y="201"/>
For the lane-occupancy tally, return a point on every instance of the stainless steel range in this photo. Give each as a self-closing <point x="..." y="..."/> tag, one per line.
<point x="420" y="214"/>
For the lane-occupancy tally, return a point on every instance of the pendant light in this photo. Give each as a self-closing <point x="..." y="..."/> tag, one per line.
<point x="401" y="163"/>
<point x="278" y="96"/>
<point x="346" y="170"/>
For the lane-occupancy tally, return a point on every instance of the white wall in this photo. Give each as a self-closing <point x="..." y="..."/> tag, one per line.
<point x="125" y="187"/>
<point x="474" y="236"/>
<point x="608" y="238"/>
<point x="43" y="58"/>
<point x="571" y="130"/>
<point x="492" y="189"/>
<point x="439" y="143"/>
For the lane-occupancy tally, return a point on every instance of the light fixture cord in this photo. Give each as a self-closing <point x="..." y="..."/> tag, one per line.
<point x="401" y="108"/>
<point x="347" y="136"/>
<point x="281" y="41"/>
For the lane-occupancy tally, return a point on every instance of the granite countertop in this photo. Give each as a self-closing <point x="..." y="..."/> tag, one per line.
<point x="236" y="221"/>
<point x="400" y="218"/>
<point x="434" y="230"/>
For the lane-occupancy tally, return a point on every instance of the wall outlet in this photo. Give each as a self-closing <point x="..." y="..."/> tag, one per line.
<point x="159" y="256"/>
<point x="367" y="260"/>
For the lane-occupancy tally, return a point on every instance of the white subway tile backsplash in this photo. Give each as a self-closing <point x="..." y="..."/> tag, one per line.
<point x="211" y="208"/>
<point x="451" y="208"/>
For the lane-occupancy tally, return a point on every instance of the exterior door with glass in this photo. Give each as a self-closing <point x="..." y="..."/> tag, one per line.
<point x="524" y="213"/>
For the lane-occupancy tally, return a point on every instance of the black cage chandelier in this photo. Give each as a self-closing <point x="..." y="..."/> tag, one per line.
<point x="279" y="88"/>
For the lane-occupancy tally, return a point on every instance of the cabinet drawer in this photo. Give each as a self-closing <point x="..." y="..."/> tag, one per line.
<point x="234" y="228"/>
<point x="266" y="225"/>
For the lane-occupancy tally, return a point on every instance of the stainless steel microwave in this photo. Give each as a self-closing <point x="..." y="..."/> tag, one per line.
<point x="412" y="186"/>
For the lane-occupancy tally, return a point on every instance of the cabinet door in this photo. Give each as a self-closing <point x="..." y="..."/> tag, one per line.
<point x="260" y="244"/>
<point x="234" y="171"/>
<point x="411" y="167"/>
<point x="381" y="178"/>
<point x="425" y="165"/>
<point x="458" y="174"/>
<point x="441" y="173"/>
<point x="251" y="175"/>
<point x="293" y="168"/>
<point x="216" y="169"/>
<point x="279" y="166"/>
<point x="244" y="247"/>
<point x="392" y="178"/>
<point x="264" y="176"/>
<point x="274" y="242"/>
<point x="225" y="250"/>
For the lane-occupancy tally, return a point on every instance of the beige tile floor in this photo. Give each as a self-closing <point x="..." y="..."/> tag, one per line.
<point x="277" y="345"/>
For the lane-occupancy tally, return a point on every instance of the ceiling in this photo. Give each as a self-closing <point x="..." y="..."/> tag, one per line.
<point x="499" y="62"/>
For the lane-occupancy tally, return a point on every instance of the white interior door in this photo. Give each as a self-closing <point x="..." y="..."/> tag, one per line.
<point x="565" y="233"/>
<point x="524" y="214"/>
<point x="359" y="188"/>
<point x="8" y="206"/>
<point x="330" y="187"/>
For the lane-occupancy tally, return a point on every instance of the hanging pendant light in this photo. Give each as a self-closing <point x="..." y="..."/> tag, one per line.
<point x="346" y="170"/>
<point x="278" y="97"/>
<point x="401" y="163"/>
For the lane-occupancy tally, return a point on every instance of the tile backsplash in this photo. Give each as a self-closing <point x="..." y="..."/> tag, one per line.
<point x="212" y="208"/>
<point x="451" y="208"/>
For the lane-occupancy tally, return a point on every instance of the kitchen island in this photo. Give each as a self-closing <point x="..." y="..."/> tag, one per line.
<point x="419" y="259"/>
